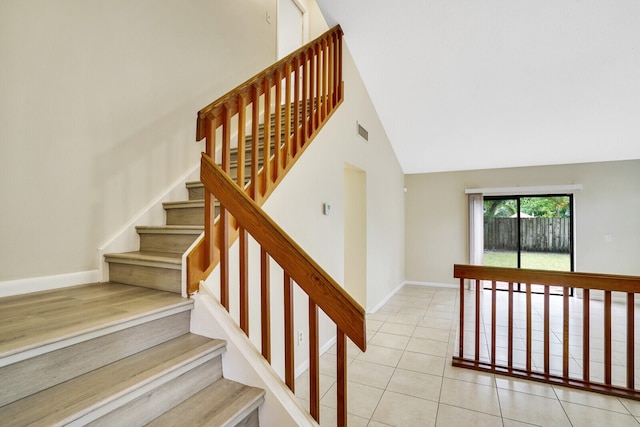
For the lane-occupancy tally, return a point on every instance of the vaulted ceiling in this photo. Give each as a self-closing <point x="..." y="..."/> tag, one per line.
<point x="473" y="84"/>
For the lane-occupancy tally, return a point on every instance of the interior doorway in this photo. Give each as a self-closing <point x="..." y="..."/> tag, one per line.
<point x="355" y="233"/>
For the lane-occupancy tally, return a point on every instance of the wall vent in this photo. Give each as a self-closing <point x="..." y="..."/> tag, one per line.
<point x="362" y="132"/>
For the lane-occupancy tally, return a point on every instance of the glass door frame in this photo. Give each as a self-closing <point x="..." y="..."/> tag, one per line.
<point x="517" y="198"/>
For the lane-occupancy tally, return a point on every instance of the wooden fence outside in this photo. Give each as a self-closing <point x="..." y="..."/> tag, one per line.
<point x="538" y="234"/>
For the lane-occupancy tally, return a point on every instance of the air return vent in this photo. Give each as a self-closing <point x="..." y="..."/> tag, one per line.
<point x="362" y="131"/>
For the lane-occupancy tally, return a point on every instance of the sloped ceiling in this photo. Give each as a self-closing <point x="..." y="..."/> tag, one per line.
<point x="473" y="84"/>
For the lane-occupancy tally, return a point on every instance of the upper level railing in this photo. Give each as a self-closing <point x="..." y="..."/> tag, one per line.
<point x="322" y="291"/>
<point x="279" y="111"/>
<point x="588" y="344"/>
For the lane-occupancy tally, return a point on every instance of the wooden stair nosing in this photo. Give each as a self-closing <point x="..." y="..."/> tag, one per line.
<point x="223" y="403"/>
<point x="55" y="343"/>
<point x="33" y="374"/>
<point x="170" y="229"/>
<point x="148" y="259"/>
<point x="91" y="395"/>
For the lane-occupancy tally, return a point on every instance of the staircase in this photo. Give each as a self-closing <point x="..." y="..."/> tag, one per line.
<point x="113" y="354"/>
<point x="120" y="353"/>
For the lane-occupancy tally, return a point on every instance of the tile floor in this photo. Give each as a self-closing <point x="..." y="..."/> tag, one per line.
<point x="406" y="379"/>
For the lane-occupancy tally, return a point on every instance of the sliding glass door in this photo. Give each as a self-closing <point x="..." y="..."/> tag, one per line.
<point x="534" y="232"/>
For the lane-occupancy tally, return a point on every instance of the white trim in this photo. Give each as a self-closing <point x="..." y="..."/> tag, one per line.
<point x="409" y="282"/>
<point x="431" y="284"/>
<point x="385" y="299"/>
<point x="127" y="239"/>
<point x="46" y="283"/>
<point x="253" y="369"/>
<point x="540" y="189"/>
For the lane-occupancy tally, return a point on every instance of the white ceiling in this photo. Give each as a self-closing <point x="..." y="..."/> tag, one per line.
<point x="474" y="84"/>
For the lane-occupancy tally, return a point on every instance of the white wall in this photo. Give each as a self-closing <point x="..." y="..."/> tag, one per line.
<point x="436" y="220"/>
<point x="98" y="103"/>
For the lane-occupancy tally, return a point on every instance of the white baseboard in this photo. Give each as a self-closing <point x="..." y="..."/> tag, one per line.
<point x="431" y="284"/>
<point x="46" y="283"/>
<point x="408" y="282"/>
<point x="385" y="299"/>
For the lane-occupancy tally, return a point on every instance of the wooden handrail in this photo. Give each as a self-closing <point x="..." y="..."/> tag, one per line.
<point x="230" y="98"/>
<point x="328" y="295"/>
<point x="588" y="282"/>
<point x="605" y="282"/>
<point x="311" y="80"/>
<point x="322" y="291"/>
<point x="298" y="94"/>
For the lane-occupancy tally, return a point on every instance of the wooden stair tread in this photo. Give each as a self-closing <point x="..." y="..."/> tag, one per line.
<point x="111" y="385"/>
<point x="38" y="320"/>
<point x="222" y="403"/>
<point x="184" y="204"/>
<point x="144" y="257"/>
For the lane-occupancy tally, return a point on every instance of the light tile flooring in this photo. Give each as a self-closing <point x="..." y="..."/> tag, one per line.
<point x="405" y="378"/>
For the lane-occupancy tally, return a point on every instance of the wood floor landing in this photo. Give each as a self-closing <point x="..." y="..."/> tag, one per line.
<point x="27" y="321"/>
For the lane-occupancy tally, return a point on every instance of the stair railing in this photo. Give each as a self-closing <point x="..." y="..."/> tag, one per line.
<point x="303" y="90"/>
<point x="571" y="320"/>
<point x="323" y="292"/>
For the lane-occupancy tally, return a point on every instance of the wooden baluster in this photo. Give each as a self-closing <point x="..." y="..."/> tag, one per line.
<point x="255" y="105"/>
<point x="510" y="338"/>
<point x="242" y="123"/>
<point x="478" y="309"/>
<point x="461" y="337"/>
<point x="244" y="279"/>
<point x="266" y="143"/>
<point x="547" y="333"/>
<point x="302" y="135"/>
<point x="289" y="365"/>
<point x="339" y="77"/>
<point x="585" y="335"/>
<point x="494" y="291"/>
<point x="342" y="378"/>
<point x="224" y="214"/>
<point x="529" y="343"/>
<point x="630" y="340"/>
<point x="565" y="331"/>
<point x="265" y="309"/>
<point x="314" y="362"/>
<point x="223" y="244"/>
<point x="277" y="138"/>
<point x="325" y="80"/>
<point x="607" y="337"/>
<point x="287" y="117"/>
<point x="297" y="99"/>
<point x="209" y="201"/>
<point x="315" y="120"/>
<point x="331" y="75"/>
